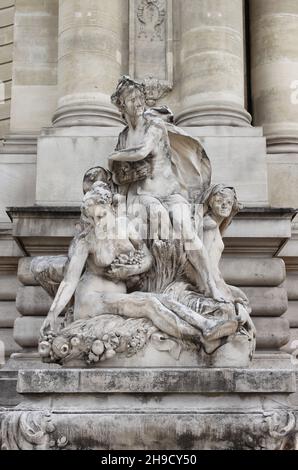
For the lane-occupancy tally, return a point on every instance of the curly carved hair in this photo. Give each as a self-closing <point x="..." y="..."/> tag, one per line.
<point x="125" y="85"/>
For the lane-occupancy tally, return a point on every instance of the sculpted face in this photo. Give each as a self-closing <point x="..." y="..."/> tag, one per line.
<point x="134" y="103"/>
<point x="100" y="213"/>
<point x="222" y="203"/>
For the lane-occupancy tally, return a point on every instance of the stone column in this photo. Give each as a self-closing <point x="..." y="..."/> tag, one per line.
<point x="212" y="63"/>
<point x="274" y="43"/>
<point x="90" y="60"/>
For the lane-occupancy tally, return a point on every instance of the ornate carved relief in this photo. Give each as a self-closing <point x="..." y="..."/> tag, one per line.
<point x="151" y="15"/>
<point x="150" y="46"/>
<point x="30" y="430"/>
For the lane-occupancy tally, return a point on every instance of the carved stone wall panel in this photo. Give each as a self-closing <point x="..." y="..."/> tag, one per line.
<point x="150" y="45"/>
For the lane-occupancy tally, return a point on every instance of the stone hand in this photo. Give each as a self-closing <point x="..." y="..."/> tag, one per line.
<point x="48" y="326"/>
<point x="121" y="271"/>
<point x="218" y="296"/>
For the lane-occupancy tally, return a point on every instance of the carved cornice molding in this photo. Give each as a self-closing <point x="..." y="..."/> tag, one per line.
<point x="19" y="143"/>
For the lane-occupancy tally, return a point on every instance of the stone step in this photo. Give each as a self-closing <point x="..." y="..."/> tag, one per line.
<point x="253" y="271"/>
<point x="155" y="380"/>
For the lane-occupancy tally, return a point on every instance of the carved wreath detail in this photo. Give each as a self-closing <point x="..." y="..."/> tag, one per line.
<point x="30" y="430"/>
<point x="151" y="15"/>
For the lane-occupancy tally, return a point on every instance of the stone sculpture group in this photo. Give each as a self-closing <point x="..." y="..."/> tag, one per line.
<point x="142" y="274"/>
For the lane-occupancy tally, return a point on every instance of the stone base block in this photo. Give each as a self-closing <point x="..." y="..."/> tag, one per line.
<point x="292" y="314"/>
<point x="26" y="331"/>
<point x="292" y="346"/>
<point x="8" y="314"/>
<point x="292" y="286"/>
<point x="8" y="389"/>
<point x="254" y="272"/>
<point x="267" y="301"/>
<point x="150" y="409"/>
<point x="272" y="333"/>
<point x="25" y="275"/>
<point x="8" y="286"/>
<point x="6" y="339"/>
<point x="84" y="147"/>
<point x="33" y="301"/>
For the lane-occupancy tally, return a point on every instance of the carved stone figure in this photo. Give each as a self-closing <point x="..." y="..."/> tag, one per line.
<point x="142" y="269"/>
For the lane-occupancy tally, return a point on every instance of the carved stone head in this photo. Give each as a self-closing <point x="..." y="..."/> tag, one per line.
<point x="96" y="203"/>
<point x="129" y="97"/>
<point x="221" y="201"/>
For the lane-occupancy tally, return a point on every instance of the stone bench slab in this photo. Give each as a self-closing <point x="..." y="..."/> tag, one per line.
<point x="169" y="380"/>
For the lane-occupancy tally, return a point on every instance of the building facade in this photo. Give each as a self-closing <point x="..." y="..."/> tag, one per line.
<point x="228" y="69"/>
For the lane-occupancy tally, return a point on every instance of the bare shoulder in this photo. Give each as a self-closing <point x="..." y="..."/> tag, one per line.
<point x="209" y="223"/>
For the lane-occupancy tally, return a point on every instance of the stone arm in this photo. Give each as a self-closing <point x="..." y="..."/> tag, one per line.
<point x="140" y="152"/>
<point x="68" y="286"/>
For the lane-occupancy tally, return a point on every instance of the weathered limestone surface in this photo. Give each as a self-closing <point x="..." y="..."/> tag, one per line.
<point x="92" y="48"/>
<point x="212" y="64"/>
<point x="8" y="383"/>
<point x="8" y="286"/>
<point x="26" y="331"/>
<point x="11" y="346"/>
<point x="272" y="333"/>
<point x="8" y="314"/>
<point x="282" y="179"/>
<point x="292" y="286"/>
<point x="154" y="409"/>
<point x="274" y="73"/>
<point x="254" y="272"/>
<point x="25" y="275"/>
<point x="233" y="156"/>
<point x="34" y="88"/>
<point x="33" y="301"/>
<point x="292" y="314"/>
<point x="267" y="301"/>
<point x="17" y="181"/>
<point x="274" y="93"/>
<point x="155" y="380"/>
<point x="6" y="51"/>
<point x="292" y="346"/>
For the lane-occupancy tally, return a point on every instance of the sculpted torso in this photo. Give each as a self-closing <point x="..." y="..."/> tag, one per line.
<point x="162" y="181"/>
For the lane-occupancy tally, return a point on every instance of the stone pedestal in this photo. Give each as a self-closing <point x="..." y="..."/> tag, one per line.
<point x="153" y="408"/>
<point x="238" y="157"/>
